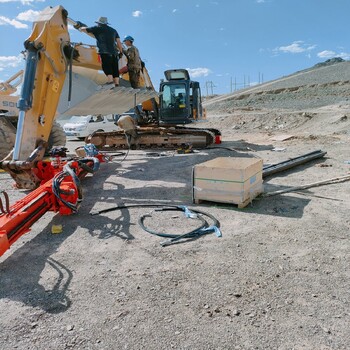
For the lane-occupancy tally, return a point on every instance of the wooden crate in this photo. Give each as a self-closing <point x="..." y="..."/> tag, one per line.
<point x="235" y="180"/>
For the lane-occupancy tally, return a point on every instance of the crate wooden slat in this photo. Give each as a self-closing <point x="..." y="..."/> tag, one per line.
<point x="235" y="180"/>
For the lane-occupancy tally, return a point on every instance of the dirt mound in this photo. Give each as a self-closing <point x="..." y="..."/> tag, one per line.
<point x="320" y="85"/>
<point x="314" y="100"/>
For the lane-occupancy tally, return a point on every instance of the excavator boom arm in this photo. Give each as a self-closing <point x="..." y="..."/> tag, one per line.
<point x="55" y="183"/>
<point x="44" y="75"/>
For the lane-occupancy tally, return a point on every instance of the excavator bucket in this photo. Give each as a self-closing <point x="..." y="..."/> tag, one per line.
<point x="82" y="94"/>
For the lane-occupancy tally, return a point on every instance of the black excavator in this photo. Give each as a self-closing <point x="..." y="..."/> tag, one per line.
<point x="162" y="122"/>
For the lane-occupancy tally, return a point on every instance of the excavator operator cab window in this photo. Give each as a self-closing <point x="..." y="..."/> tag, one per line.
<point x="180" y="99"/>
<point x="174" y="96"/>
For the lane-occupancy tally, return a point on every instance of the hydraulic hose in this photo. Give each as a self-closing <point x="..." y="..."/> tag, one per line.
<point x="57" y="191"/>
<point x="83" y="165"/>
<point x="203" y="229"/>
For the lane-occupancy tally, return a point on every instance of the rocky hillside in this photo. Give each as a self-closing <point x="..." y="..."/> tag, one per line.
<point x="324" y="84"/>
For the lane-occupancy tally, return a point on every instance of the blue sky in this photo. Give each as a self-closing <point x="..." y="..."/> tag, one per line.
<point x="224" y="43"/>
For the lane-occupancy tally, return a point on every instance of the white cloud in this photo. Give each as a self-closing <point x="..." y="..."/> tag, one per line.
<point x="12" y="22"/>
<point x="23" y="2"/>
<point x="174" y="10"/>
<point x="199" y="72"/>
<point x="137" y="13"/>
<point x="260" y="1"/>
<point x="29" y="16"/>
<point x="344" y="55"/>
<point x="326" y="54"/>
<point x="295" y="47"/>
<point x="10" y="61"/>
<point x="331" y="54"/>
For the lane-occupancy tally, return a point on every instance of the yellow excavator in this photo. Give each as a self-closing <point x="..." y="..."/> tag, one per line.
<point x="55" y="68"/>
<point x="8" y="111"/>
<point x="62" y="77"/>
<point x="9" y="118"/>
<point x="9" y="87"/>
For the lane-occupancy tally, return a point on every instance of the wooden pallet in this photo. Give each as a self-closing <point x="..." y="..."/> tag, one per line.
<point x="239" y="205"/>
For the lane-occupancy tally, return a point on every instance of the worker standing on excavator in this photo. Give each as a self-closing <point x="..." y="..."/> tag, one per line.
<point x="107" y="40"/>
<point x="134" y="61"/>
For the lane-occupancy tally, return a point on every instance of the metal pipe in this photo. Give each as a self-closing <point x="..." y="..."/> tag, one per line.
<point x="290" y="163"/>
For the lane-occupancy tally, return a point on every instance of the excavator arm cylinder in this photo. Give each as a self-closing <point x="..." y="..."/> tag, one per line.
<point x="25" y="101"/>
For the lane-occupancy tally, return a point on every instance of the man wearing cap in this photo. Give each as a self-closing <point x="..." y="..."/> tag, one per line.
<point x="134" y="61"/>
<point x="107" y="40"/>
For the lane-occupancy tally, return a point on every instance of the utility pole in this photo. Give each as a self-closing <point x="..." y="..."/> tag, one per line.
<point x="233" y="85"/>
<point x="210" y="84"/>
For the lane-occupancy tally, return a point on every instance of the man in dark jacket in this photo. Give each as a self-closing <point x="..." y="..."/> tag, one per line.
<point x="107" y="40"/>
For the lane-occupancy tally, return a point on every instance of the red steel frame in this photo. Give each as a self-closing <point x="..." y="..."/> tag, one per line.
<point x="16" y="220"/>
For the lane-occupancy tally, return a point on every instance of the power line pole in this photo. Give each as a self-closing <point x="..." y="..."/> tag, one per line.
<point x="210" y="84"/>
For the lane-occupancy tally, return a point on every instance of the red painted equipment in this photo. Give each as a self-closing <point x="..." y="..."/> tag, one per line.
<point x="59" y="191"/>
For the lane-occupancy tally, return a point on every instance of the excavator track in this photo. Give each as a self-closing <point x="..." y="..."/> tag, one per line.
<point x="154" y="137"/>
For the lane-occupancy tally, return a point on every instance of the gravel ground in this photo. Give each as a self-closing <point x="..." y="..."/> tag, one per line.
<point x="278" y="278"/>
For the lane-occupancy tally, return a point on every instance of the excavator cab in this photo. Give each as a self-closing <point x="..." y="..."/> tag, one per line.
<point x="180" y="98"/>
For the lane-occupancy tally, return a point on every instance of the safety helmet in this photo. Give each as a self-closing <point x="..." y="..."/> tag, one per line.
<point x="129" y="38"/>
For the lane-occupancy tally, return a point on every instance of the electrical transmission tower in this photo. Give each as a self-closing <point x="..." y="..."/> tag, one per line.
<point x="209" y="85"/>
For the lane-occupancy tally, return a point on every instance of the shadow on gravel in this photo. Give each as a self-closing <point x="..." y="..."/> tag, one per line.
<point x="280" y="206"/>
<point x="22" y="271"/>
<point x="178" y="170"/>
<point x="166" y="179"/>
<point x="244" y="146"/>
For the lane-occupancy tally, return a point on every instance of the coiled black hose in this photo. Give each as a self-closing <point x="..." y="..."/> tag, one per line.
<point x="203" y="229"/>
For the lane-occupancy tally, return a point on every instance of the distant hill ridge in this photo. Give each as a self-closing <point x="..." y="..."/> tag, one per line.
<point x="329" y="62"/>
<point x="330" y="71"/>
